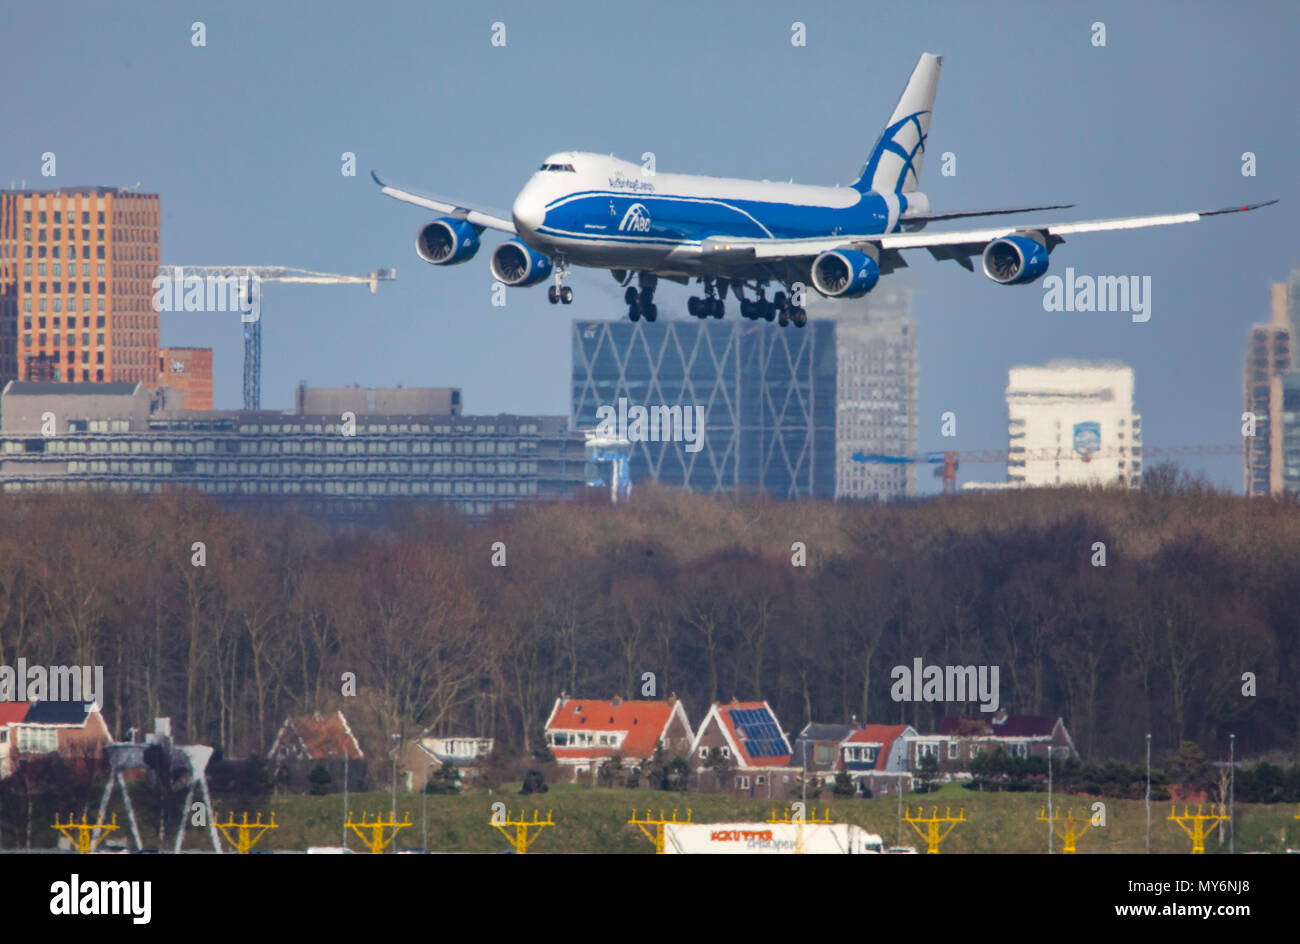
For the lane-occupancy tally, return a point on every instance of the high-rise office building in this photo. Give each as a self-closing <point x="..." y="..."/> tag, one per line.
<point x="766" y="395"/>
<point x="187" y="370"/>
<point x="876" y="381"/>
<point x="1073" y="423"/>
<point x="76" y="285"/>
<point x="1269" y="357"/>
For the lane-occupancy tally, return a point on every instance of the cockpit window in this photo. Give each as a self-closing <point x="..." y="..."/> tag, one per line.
<point x="563" y="167"/>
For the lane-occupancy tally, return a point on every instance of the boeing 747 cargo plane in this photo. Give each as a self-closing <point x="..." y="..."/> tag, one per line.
<point x="583" y="209"/>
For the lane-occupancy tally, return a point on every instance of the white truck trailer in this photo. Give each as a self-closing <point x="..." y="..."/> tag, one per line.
<point x="749" y="838"/>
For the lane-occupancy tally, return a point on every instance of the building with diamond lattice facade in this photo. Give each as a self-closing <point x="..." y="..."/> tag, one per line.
<point x="767" y="396"/>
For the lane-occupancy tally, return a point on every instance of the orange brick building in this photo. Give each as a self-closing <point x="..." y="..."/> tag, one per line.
<point x="189" y="370"/>
<point x="76" y="285"/>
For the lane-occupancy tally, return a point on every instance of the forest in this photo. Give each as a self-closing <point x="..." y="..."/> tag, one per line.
<point x="228" y="619"/>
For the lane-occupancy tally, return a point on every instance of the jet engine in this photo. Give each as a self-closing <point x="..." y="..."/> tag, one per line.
<point x="1016" y="259"/>
<point x="844" y="273"/>
<point x="447" y="241"/>
<point x="517" y="264"/>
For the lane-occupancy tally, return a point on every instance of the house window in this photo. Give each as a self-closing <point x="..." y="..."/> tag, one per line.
<point x="927" y="749"/>
<point x="954" y="746"/>
<point x="704" y="753"/>
<point x="1020" y="749"/>
<point x="725" y="751"/>
<point x="742" y="783"/>
<point x="760" y="780"/>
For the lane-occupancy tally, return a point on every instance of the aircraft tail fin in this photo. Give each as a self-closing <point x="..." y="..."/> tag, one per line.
<point x="895" y="162"/>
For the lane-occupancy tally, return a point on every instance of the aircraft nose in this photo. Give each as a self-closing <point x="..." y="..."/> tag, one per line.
<point x="529" y="211"/>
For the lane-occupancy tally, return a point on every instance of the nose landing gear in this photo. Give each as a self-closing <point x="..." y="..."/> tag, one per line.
<point x="559" y="292"/>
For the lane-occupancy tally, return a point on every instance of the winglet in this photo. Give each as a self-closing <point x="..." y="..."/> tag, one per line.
<point x="1240" y="209"/>
<point x="375" y="178"/>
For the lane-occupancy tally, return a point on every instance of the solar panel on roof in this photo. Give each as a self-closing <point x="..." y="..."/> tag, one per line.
<point x="759" y="732"/>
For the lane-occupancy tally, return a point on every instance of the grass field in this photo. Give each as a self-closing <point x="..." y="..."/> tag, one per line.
<point x="594" y="820"/>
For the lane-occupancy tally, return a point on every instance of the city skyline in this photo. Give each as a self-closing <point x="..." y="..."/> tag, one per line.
<point x="250" y="178"/>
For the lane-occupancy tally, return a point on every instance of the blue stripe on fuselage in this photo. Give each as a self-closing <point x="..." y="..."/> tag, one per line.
<point x="614" y="217"/>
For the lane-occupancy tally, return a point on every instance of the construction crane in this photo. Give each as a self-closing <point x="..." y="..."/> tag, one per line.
<point x="950" y="459"/>
<point x="252" y="277"/>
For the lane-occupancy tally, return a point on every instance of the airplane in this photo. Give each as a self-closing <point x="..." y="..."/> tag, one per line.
<point x="583" y="209"/>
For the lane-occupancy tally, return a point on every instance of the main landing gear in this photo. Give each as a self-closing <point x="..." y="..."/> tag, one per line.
<point x="780" y="309"/>
<point x="559" y="292"/>
<point x="711" y="305"/>
<point x="641" y="302"/>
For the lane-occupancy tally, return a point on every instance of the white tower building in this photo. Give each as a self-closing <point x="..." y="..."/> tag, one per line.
<point x="1073" y="423"/>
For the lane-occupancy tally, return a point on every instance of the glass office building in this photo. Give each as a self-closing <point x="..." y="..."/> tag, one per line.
<point x="766" y="395"/>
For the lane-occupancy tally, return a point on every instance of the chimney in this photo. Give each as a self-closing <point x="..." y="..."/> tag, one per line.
<point x="616" y="701"/>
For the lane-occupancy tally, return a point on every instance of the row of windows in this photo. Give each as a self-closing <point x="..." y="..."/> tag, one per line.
<point x="72" y="323"/>
<point x="55" y="252"/>
<point x="56" y="288"/>
<point x="58" y="234"/>
<point x="58" y="304"/>
<point x="374" y="467"/>
<point x="58" y="216"/>
<point x="333" y="487"/>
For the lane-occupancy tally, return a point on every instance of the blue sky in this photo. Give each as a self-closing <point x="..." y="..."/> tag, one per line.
<point x="242" y="138"/>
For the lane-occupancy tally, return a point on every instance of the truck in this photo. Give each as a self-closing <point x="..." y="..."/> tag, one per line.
<point x="750" y="838"/>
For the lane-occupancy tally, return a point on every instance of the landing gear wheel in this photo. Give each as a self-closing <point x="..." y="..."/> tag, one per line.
<point x="553" y="295"/>
<point x="799" y="316"/>
<point x="784" y="318"/>
<point x="629" y="297"/>
<point x="716" y="308"/>
<point x="779" y="300"/>
<point x="634" y="312"/>
<point x="651" y="313"/>
<point x="566" y="295"/>
<point x="693" y="306"/>
<point x="747" y="309"/>
<point x="768" y="312"/>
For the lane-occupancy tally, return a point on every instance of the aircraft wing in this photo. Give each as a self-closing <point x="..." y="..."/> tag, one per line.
<point x="959" y="245"/>
<point x="474" y="214"/>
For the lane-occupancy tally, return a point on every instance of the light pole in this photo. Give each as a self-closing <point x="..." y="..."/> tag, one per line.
<point x="345" y="797"/>
<point x="396" y="739"/>
<point x="1232" y="792"/>
<point x="1148" y="794"/>
<point x="1051" y="826"/>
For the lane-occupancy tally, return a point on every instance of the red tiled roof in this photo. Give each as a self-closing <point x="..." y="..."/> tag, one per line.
<point x="882" y="734"/>
<point x="325" y="736"/>
<point x="1013" y="726"/>
<point x="744" y="760"/>
<point x="11" y="712"/>
<point x="643" y="721"/>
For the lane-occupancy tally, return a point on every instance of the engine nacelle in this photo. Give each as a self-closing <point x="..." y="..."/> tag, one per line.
<point x="1016" y="259"/>
<point x="844" y="273"/>
<point x="447" y="241"/>
<point x="517" y="264"/>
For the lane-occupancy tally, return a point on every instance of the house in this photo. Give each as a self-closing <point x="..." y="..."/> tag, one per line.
<point x="753" y="754"/>
<point x="960" y="739"/>
<point x="424" y="757"/>
<point x="817" y="748"/>
<point x="875" y="757"/>
<point x="74" y="730"/>
<point x="317" y="739"/>
<point x="583" y="733"/>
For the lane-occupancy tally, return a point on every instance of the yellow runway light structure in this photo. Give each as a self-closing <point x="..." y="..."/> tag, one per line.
<point x="1198" y="824"/>
<point x="83" y="835"/>
<point x="381" y="831"/>
<point x="933" y="834"/>
<point x="792" y="817"/>
<point x="244" y="836"/>
<point x="520" y="832"/>
<point x="656" y="837"/>
<point x="1074" y="827"/>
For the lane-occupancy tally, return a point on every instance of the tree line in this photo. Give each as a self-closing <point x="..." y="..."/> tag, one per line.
<point x="230" y="619"/>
